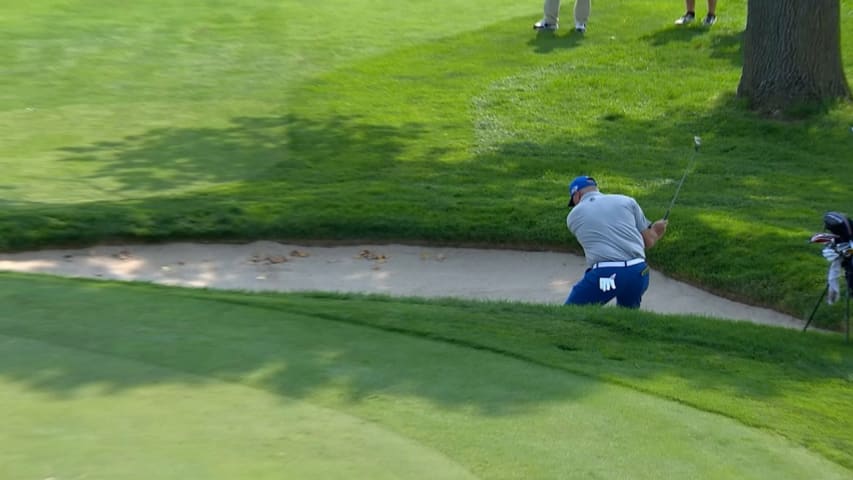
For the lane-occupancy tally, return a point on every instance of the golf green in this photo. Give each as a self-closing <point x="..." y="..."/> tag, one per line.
<point x="188" y="428"/>
<point x="252" y="395"/>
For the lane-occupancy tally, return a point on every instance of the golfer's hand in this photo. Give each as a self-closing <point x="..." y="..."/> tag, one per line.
<point x="652" y="234"/>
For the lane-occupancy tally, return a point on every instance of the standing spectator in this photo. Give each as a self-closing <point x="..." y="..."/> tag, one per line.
<point x="690" y="15"/>
<point x="552" y="15"/>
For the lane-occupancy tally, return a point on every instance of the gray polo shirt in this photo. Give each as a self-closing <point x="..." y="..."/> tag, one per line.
<point x="608" y="227"/>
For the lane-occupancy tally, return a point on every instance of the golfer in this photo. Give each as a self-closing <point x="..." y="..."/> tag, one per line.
<point x="614" y="234"/>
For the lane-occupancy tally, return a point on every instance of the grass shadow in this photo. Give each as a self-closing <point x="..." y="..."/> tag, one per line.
<point x="726" y="46"/>
<point x="674" y="34"/>
<point x="548" y="42"/>
<point x="301" y="345"/>
<point x="284" y="349"/>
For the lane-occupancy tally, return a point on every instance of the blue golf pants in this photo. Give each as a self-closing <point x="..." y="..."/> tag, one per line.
<point x="600" y="285"/>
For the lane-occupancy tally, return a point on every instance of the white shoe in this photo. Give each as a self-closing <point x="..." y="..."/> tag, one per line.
<point x="580" y="27"/>
<point x="685" y="19"/>
<point x="544" y="25"/>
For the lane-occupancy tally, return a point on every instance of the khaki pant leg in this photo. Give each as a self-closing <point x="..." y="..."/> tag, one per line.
<point x="552" y="11"/>
<point x="582" y="9"/>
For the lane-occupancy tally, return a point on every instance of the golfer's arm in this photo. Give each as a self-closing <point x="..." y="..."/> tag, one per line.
<point x="651" y="236"/>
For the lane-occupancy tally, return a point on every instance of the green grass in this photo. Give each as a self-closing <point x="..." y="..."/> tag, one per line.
<point x="104" y="380"/>
<point x="406" y="121"/>
<point x="246" y="120"/>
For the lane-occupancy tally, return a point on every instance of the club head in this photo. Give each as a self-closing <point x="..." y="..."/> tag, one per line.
<point x="823" y="238"/>
<point x="697" y="142"/>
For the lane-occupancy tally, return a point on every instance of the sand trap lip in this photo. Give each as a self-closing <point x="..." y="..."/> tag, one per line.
<point x="398" y="270"/>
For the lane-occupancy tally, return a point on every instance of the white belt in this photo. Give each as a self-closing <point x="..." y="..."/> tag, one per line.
<point x="628" y="263"/>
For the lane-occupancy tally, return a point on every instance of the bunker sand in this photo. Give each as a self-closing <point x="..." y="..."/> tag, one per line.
<point x="396" y="270"/>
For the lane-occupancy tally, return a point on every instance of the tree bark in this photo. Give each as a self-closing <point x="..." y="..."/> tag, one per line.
<point x="792" y="55"/>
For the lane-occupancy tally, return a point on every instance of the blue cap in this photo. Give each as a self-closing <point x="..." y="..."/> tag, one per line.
<point x="579" y="183"/>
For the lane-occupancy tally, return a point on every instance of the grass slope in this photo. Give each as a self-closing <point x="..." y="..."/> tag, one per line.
<point x="521" y="413"/>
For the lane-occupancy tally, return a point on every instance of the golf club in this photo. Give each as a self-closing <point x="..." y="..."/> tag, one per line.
<point x="696" y="143"/>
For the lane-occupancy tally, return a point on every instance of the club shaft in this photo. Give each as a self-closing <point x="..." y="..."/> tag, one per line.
<point x="681" y="182"/>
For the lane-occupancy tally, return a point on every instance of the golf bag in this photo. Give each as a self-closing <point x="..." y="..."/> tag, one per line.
<point x="838" y="251"/>
<point x="841" y="227"/>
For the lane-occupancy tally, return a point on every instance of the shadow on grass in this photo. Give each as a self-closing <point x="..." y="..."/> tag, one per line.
<point x="547" y="42"/>
<point x="296" y="344"/>
<point x="727" y="46"/>
<point x="245" y="150"/>
<point x="674" y="34"/>
<point x="281" y="348"/>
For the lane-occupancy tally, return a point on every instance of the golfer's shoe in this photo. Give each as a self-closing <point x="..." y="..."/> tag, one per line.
<point x="542" y="25"/>
<point x="580" y="27"/>
<point x="709" y="20"/>
<point x="685" y="19"/>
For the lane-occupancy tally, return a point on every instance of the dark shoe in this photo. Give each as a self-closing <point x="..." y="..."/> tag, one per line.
<point x="709" y="20"/>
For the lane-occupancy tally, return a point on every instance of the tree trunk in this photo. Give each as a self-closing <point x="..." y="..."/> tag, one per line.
<point x="792" y="55"/>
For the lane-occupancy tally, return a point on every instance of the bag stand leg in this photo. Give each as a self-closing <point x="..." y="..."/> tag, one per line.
<point x="816" y="305"/>
<point x="847" y="316"/>
<point x="846" y="312"/>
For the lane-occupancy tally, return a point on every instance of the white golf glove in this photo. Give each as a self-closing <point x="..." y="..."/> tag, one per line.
<point x="607" y="283"/>
<point x="829" y="254"/>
